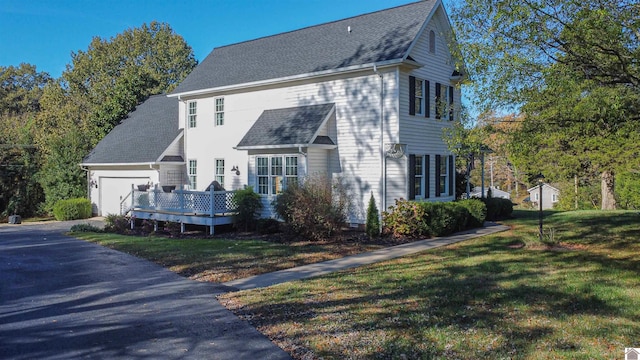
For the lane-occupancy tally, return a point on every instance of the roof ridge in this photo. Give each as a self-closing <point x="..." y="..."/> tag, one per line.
<point x="317" y="25"/>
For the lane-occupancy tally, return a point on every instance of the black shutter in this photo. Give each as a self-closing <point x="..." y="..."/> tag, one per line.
<point x="427" y="97"/>
<point x="452" y="175"/>
<point x="412" y="95"/>
<point x="450" y="103"/>
<point x="427" y="172"/>
<point x="438" y="105"/>
<point x="412" y="177"/>
<point x="437" y="178"/>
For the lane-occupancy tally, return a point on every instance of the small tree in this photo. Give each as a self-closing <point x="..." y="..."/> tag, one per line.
<point x="248" y="206"/>
<point x="372" y="227"/>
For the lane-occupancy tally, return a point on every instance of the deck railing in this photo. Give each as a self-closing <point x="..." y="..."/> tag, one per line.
<point x="209" y="203"/>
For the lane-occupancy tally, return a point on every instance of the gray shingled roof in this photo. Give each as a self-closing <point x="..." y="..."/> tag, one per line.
<point x="375" y="37"/>
<point x="286" y="127"/>
<point x="141" y="137"/>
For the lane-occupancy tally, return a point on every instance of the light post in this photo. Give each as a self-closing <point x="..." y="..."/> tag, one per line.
<point x="540" y="184"/>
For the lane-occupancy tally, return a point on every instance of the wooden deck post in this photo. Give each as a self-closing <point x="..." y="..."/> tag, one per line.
<point x="212" y="210"/>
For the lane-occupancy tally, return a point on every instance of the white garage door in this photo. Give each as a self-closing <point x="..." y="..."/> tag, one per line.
<point x="113" y="190"/>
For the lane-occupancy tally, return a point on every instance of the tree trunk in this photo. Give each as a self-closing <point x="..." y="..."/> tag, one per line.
<point x="608" y="197"/>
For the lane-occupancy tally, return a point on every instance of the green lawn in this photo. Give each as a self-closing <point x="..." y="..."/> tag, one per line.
<point x="220" y="260"/>
<point x="500" y="296"/>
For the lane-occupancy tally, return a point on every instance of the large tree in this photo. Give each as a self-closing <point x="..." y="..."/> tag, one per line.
<point x="20" y="90"/>
<point x="572" y="67"/>
<point x="96" y="91"/>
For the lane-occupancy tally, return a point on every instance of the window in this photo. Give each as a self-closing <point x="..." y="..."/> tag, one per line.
<point x="193" y="174"/>
<point x="418" y="96"/>
<point x="291" y="170"/>
<point x="274" y="173"/>
<point x="262" y="173"/>
<point x="418" y="89"/>
<point x="444" y="183"/>
<point x="219" y="177"/>
<point x="536" y="197"/>
<point x="219" y="111"/>
<point x="192" y="113"/>
<point x="554" y="198"/>
<point x="419" y="175"/>
<point x="444" y="179"/>
<point x="432" y="42"/>
<point x="444" y="102"/>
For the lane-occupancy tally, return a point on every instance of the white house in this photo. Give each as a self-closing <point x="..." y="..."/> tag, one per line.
<point x="550" y="195"/>
<point x="364" y="99"/>
<point x="494" y="192"/>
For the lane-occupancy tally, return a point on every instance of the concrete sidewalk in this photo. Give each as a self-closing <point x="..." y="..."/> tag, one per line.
<point x="312" y="270"/>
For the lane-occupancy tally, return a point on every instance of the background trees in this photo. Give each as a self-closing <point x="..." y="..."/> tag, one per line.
<point x="20" y="91"/>
<point x="572" y="67"/>
<point x="98" y="89"/>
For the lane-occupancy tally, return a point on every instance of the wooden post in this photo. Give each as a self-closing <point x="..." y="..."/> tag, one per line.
<point x="212" y="210"/>
<point x="180" y="193"/>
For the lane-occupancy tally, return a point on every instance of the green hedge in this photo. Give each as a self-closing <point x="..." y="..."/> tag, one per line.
<point x="498" y="209"/>
<point x="425" y="219"/>
<point x="72" y="209"/>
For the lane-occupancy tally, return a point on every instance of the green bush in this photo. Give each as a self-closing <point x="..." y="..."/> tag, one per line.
<point x="85" y="228"/>
<point x="477" y="211"/>
<point x="248" y="208"/>
<point x="407" y="218"/>
<point x="72" y="209"/>
<point x="315" y="208"/>
<point x="118" y="224"/>
<point x="425" y="219"/>
<point x="372" y="227"/>
<point x="498" y="209"/>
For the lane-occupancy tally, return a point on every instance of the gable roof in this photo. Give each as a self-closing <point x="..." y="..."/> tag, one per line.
<point x="142" y="136"/>
<point x="290" y="127"/>
<point x="544" y="185"/>
<point x="378" y="37"/>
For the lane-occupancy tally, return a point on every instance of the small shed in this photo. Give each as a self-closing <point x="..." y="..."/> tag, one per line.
<point x="550" y="195"/>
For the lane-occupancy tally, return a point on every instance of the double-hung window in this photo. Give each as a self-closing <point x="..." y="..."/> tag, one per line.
<point x="219" y="176"/>
<point x="275" y="172"/>
<point x="418" y="97"/>
<point x="193" y="174"/>
<point x="219" y="111"/>
<point x="445" y="175"/>
<point x="192" y="113"/>
<point x="444" y="102"/>
<point x="443" y="187"/>
<point x="418" y="177"/>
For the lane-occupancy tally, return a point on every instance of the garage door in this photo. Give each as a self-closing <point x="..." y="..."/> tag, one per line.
<point x="113" y="190"/>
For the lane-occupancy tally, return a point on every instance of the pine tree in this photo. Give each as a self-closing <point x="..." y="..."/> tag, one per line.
<point x="373" y="221"/>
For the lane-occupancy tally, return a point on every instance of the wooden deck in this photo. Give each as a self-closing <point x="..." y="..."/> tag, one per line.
<point x="209" y="208"/>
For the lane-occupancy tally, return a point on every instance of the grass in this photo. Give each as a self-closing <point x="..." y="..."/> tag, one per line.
<point x="497" y="297"/>
<point x="221" y="260"/>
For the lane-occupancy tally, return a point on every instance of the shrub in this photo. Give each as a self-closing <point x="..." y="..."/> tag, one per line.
<point x="314" y="208"/>
<point x="424" y="219"/>
<point x="148" y="226"/>
<point x="173" y="228"/>
<point x="268" y="226"/>
<point x="85" y="228"/>
<point x="118" y="224"/>
<point x="406" y="218"/>
<point x="72" y="209"/>
<point x="372" y="227"/>
<point x="498" y="208"/>
<point x="477" y="211"/>
<point x="248" y="205"/>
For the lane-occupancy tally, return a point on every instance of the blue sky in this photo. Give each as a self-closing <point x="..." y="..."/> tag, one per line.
<point x="45" y="32"/>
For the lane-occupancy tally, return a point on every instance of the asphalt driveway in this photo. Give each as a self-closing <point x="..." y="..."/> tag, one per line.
<point x="62" y="298"/>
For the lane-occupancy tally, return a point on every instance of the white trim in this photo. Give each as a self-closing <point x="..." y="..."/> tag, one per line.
<point x="285" y="79"/>
<point x="323" y="123"/>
